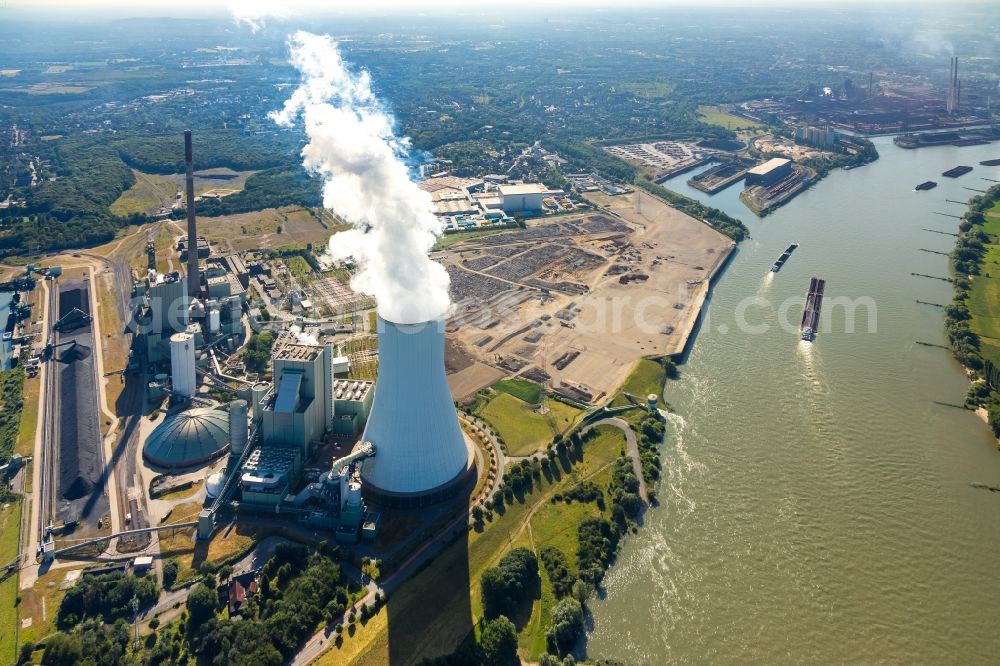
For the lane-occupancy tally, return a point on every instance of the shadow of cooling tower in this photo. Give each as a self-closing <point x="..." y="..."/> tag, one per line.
<point x="423" y="473"/>
<point x="430" y="613"/>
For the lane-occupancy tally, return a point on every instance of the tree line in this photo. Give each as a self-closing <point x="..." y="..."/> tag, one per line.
<point x="967" y="259"/>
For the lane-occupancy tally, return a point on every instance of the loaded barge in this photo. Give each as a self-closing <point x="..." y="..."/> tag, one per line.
<point x="957" y="171"/>
<point x="810" y="314"/>
<point x="926" y="185"/>
<point x="783" y="258"/>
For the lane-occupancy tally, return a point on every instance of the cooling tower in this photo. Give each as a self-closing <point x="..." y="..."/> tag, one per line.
<point x="421" y="454"/>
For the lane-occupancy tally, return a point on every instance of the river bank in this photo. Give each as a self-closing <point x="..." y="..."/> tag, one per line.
<point x="818" y="501"/>
<point x="972" y="319"/>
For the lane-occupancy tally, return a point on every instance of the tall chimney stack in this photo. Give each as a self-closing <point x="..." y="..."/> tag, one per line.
<point x="193" y="276"/>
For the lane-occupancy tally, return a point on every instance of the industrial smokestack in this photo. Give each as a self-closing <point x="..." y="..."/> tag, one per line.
<point x="953" y="86"/>
<point x="194" y="278"/>
<point x="422" y="456"/>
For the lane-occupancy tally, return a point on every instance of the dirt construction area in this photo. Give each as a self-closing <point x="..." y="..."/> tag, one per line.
<point x="573" y="302"/>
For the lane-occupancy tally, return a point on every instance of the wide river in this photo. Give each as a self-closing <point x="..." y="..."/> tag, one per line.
<point x="817" y="505"/>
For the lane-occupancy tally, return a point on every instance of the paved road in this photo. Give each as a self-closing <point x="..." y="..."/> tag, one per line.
<point x="633" y="450"/>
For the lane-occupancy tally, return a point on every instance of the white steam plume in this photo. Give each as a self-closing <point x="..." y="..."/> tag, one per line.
<point x="253" y="13"/>
<point x="302" y="337"/>
<point x="352" y="146"/>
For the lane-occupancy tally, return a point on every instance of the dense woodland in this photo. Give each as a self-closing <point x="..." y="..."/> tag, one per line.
<point x="298" y="593"/>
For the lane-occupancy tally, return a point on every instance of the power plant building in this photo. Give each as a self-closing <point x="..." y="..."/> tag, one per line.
<point x="352" y="402"/>
<point x="302" y="409"/>
<point x="423" y="456"/>
<point x="163" y="305"/>
<point x="267" y="474"/>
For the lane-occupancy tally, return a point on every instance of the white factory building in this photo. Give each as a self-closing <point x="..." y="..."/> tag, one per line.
<point x="524" y="198"/>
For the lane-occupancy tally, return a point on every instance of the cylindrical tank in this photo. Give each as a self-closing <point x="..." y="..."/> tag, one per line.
<point x="182" y="364"/>
<point x="213" y="320"/>
<point x="422" y="454"/>
<point x="257" y="394"/>
<point x="239" y="431"/>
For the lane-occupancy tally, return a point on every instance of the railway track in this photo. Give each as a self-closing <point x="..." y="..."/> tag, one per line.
<point x="46" y="493"/>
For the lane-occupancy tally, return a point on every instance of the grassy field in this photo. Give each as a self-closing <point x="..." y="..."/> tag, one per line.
<point x="226" y="543"/>
<point x="29" y="417"/>
<point x="646" y="377"/>
<point x="147" y="195"/>
<point x="984" y="296"/>
<point x="9" y="621"/>
<point x="524" y="427"/>
<point x="183" y="493"/>
<point x="521" y="389"/>
<point x="273" y="228"/>
<point x="41" y="604"/>
<point x="297" y="266"/>
<point x="10" y="528"/>
<point x="151" y="191"/>
<point x="713" y="115"/>
<point x="536" y="523"/>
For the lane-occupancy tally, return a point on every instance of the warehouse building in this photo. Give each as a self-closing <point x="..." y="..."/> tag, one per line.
<point x="524" y="198"/>
<point x="769" y="172"/>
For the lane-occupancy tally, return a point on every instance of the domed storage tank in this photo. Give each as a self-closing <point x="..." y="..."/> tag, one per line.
<point x="188" y="438"/>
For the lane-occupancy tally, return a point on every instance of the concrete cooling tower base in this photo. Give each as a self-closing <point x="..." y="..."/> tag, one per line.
<point x="464" y="481"/>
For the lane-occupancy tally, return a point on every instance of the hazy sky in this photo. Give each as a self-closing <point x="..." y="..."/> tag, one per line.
<point x="191" y="7"/>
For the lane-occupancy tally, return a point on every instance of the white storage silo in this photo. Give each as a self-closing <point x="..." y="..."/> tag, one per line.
<point x="423" y="456"/>
<point x="182" y="364"/>
<point x="239" y="431"/>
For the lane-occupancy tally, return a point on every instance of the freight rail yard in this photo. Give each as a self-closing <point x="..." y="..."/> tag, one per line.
<point x="573" y="303"/>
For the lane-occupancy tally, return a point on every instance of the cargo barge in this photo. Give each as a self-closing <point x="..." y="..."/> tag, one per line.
<point x="926" y="185"/>
<point x="957" y="171"/>
<point x="990" y="162"/>
<point x="783" y="258"/>
<point x="810" y="313"/>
